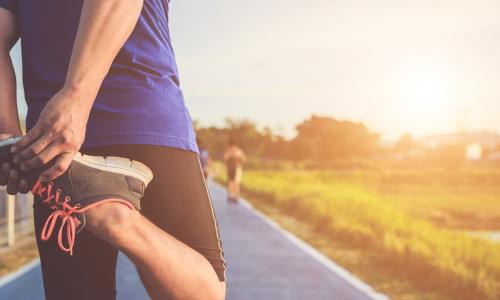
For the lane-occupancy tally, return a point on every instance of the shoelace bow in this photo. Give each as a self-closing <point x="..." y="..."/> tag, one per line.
<point x="63" y="210"/>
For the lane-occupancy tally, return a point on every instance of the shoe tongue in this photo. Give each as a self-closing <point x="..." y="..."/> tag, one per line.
<point x="73" y="178"/>
<point x="64" y="183"/>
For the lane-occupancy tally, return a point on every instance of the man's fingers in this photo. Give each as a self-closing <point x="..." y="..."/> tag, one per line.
<point x="24" y="187"/>
<point x="60" y="166"/>
<point x="42" y="158"/>
<point x="26" y="140"/>
<point x="32" y="151"/>
<point x="12" y="182"/>
<point x="4" y="173"/>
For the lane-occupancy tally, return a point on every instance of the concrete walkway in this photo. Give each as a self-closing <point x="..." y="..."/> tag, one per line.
<point x="263" y="263"/>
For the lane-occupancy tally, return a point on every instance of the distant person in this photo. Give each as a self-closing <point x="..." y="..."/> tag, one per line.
<point x="205" y="159"/>
<point x="234" y="158"/>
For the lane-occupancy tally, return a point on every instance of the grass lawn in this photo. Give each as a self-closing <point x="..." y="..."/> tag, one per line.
<point x="467" y="198"/>
<point x="394" y="230"/>
<point x="365" y="265"/>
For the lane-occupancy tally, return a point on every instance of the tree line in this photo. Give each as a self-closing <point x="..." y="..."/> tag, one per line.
<point x="317" y="139"/>
<point x="321" y="141"/>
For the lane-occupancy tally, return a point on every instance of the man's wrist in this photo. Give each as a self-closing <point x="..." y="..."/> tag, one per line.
<point x="83" y="97"/>
<point x="77" y="91"/>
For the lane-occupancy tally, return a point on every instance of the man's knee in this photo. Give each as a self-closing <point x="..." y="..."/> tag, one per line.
<point x="109" y="219"/>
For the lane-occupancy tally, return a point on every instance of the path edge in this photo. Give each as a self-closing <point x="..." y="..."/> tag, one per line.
<point x="4" y="280"/>
<point x="316" y="255"/>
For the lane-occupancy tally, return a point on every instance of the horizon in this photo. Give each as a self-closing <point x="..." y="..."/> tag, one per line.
<point x="398" y="67"/>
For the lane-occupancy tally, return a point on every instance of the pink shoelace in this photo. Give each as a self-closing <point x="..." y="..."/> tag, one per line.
<point x="63" y="210"/>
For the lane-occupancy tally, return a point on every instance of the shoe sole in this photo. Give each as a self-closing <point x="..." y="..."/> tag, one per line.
<point x="113" y="164"/>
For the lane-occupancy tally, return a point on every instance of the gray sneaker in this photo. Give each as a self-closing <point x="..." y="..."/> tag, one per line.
<point x="88" y="182"/>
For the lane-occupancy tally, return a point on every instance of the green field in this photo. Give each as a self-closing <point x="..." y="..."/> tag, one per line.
<point x="409" y="225"/>
<point x="467" y="198"/>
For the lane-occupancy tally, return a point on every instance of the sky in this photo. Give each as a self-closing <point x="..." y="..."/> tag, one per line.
<point x="399" y="66"/>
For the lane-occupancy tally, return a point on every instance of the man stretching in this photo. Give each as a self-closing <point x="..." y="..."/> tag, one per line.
<point x="100" y="78"/>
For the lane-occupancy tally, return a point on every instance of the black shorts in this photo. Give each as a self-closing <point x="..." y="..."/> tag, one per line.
<point x="177" y="201"/>
<point x="231" y="173"/>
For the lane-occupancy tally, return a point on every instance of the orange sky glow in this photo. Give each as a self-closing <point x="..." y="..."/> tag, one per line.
<point x="399" y="66"/>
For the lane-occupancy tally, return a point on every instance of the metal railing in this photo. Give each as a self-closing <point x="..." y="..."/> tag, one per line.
<point x="16" y="217"/>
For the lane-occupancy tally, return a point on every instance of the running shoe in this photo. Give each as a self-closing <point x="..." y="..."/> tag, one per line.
<point x="88" y="182"/>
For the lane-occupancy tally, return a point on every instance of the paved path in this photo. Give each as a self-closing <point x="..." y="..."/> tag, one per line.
<point x="263" y="263"/>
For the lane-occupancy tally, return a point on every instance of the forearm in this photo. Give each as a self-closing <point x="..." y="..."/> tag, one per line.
<point x="9" y="119"/>
<point x="104" y="27"/>
<point x="9" y="34"/>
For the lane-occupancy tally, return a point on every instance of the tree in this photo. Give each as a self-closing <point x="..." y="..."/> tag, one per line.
<point x="406" y="144"/>
<point x="326" y="139"/>
<point x="319" y="139"/>
<point x="255" y="142"/>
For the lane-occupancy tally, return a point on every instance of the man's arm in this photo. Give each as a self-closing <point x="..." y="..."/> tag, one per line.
<point x="104" y="27"/>
<point x="9" y="34"/>
<point x="9" y="119"/>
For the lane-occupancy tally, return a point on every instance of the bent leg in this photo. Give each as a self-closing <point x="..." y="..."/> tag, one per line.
<point x="88" y="274"/>
<point x="178" y="203"/>
<point x="170" y="268"/>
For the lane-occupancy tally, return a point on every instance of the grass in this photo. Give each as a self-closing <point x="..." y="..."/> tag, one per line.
<point x="12" y="259"/>
<point x="465" y="199"/>
<point x="365" y="265"/>
<point x="374" y="215"/>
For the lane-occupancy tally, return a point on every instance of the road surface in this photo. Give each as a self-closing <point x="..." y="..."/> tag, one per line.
<point x="263" y="263"/>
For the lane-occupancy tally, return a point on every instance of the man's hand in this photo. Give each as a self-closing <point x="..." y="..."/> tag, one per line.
<point x="58" y="135"/>
<point x="9" y="176"/>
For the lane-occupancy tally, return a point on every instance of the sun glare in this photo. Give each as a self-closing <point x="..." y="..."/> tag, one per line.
<point x="425" y="98"/>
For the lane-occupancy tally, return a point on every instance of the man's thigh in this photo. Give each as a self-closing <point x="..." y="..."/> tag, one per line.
<point x="88" y="274"/>
<point x="179" y="203"/>
<point x="177" y="199"/>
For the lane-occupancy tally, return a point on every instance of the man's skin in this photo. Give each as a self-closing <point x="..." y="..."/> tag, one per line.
<point x="168" y="268"/>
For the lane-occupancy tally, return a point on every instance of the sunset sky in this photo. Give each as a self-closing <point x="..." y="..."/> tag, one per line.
<point x="399" y="66"/>
<point x="423" y="67"/>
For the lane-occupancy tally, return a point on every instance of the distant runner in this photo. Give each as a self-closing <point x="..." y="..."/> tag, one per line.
<point x="234" y="158"/>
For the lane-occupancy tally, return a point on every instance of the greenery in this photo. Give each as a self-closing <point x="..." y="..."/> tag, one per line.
<point x="318" y="139"/>
<point x="327" y="143"/>
<point x="408" y="210"/>
<point x="351" y="208"/>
